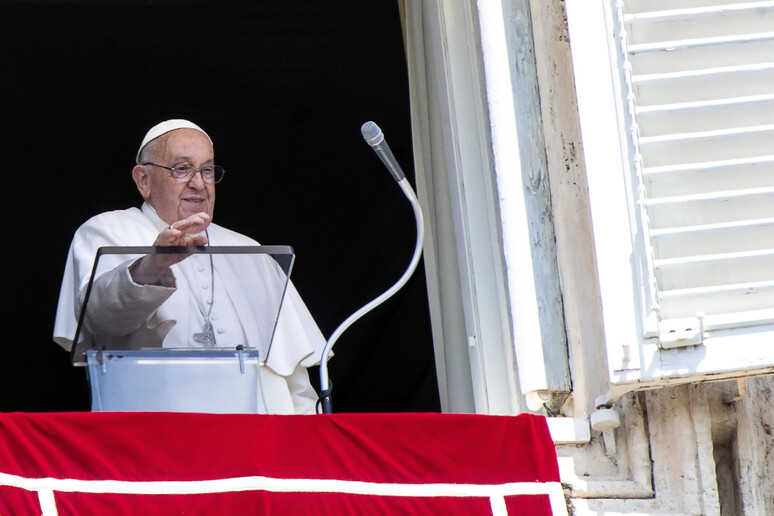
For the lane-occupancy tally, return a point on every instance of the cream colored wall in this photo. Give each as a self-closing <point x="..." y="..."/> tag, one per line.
<point x="569" y="202"/>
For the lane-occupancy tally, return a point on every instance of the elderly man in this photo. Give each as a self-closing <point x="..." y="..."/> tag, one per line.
<point x="178" y="302"/>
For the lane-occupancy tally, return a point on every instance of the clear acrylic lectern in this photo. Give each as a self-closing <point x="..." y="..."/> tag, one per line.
<point x="127" y="373"/>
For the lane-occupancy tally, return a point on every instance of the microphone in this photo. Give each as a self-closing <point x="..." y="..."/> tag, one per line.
<point x="375" y="138"/>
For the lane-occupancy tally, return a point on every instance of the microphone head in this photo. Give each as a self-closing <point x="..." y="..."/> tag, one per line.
<point x="372" y="134"/>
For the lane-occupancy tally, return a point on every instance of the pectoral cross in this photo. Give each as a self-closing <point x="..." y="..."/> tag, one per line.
<point x="206" y="336"/>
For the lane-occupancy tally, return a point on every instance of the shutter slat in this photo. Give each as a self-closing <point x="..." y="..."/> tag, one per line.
<point x="710" y="165"/>
<point x="715" y="270"/>
<point x="695" y="13"/>
<point x="736" y="113"/>
<point x="691" y="148"/>
<point x="709" y="239"/>
<point x="695" y="43"/>
<point x="717" y="27"/>
<point x="728" y="300"/>
<point x="710" y="211"/>
<point x="722" y="88"/>
<point x="643" y="7"/>
<point x="703" y="57"/>
<point x="699" y="181"/>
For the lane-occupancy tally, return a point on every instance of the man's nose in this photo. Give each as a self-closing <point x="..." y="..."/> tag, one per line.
<point x="197" y="181"/>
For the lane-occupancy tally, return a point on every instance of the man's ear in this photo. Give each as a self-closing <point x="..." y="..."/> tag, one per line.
<point x="142" y="180"/>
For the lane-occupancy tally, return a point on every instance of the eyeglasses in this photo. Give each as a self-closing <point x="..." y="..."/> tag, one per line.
<point x="184" y="172"/>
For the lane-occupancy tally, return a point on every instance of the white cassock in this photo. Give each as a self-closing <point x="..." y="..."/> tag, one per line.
<point x="125" y="315"/>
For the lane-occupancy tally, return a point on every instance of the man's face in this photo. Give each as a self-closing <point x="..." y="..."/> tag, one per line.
<point x="174" y="200"/>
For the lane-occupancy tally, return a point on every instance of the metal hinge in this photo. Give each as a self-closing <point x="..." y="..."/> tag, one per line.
<point x="677" y="333"/>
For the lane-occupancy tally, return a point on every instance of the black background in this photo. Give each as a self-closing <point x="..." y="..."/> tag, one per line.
<point x="282" y="88"/>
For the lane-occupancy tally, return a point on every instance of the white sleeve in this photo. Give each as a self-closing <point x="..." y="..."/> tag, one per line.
<point x="118" y="306"/>
<point x="108" y="229"/>
<point x="301" y="391"/>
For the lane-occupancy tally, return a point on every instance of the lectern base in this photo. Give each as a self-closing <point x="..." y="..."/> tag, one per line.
<point x="218" y="381"/>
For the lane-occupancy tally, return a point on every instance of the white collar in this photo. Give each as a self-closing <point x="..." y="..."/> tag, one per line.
<point x="150" y="212"/>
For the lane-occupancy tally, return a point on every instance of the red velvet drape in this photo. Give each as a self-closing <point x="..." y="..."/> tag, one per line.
<point x="406" y="449"/>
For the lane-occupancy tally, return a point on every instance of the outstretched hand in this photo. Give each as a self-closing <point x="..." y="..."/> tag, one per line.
<point x="185" y="232"/>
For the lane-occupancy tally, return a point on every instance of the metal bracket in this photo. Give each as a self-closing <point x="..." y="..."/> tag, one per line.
<point x="606" y="420"/>
<point x="677" y="333"/>
<point x="101" y="361"/>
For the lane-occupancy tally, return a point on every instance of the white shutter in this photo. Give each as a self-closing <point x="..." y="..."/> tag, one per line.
<point x="702" y="79"/>
<point x="694" y="88"/>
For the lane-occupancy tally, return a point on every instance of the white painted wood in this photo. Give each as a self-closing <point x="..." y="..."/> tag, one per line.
<point x="454" y="164"/>
<point x="523" y="197"/>
<point x="460" y="385"/>
<point x="604" y="150"/>
<point x="478" y="152"/>
<point x="569" y="430"/>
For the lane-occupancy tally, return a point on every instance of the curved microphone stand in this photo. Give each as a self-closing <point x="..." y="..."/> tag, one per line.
<point x="374" y="137"/>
